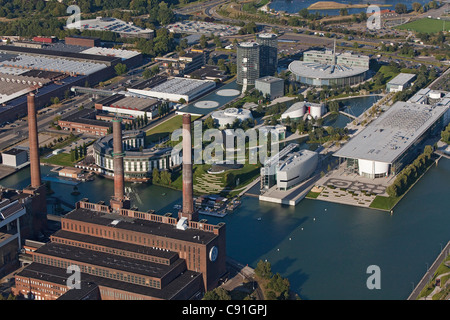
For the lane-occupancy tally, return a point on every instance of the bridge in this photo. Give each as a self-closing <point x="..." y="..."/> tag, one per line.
<point x="348" y="115"/>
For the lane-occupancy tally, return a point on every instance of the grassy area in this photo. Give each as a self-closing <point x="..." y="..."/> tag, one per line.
<point x="384" y="203"/>
<point x="166" y="128"/>
<point x="312" y="195"/>
<point x="426" y="25"/>
<point x="442" y="269"/>
<point x="62" y="159"/>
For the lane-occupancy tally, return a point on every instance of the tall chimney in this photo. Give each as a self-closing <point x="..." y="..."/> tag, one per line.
<point x="119" y="200"/>
<point x="35" y="170"/>
<point x="119" y="188"/>
<point x="188" y="210"/>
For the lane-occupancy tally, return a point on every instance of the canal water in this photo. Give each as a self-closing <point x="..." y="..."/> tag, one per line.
<point x="323" y="248"/>
<point x="294" y="6"/>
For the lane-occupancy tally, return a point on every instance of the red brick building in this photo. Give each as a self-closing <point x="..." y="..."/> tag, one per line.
<point x="129" y="255"/>
<point x="84" y="121"/>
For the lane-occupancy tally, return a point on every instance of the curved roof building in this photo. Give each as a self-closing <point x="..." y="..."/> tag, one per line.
<point x="138" y="162"/>
<point x="318" y="74"/>
<point x="300" y="109"/>
<point x="329" y="68"/>
<point x="228" y="116"/>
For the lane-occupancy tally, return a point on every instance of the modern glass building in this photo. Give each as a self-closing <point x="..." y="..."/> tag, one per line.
<point x="248" y="65"/>
<point x="268" y="53"/>
<point x="326" y="68"/>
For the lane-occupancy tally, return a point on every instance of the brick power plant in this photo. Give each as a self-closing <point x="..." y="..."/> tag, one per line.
<point x="123" y="253"/>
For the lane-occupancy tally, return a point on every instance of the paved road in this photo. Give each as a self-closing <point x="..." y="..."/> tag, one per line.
<point x="429" y="274"/>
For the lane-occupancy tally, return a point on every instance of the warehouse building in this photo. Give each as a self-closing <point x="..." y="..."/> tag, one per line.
<point x="134" y="107"/>
<point x="393" y="140"/>
<point x="14" y="157"/>
<point x="176" y="89"/>
<point x="400" y="82"/>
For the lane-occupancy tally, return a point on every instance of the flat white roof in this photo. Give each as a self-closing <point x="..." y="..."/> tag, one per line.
<point x="389" y="136"/>
<point x="402" y="79"/>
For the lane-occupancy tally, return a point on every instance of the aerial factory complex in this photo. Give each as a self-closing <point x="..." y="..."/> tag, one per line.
<point x="224" y="150"/>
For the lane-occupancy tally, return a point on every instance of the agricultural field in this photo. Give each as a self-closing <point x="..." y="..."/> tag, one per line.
<point x="426" y="25"/>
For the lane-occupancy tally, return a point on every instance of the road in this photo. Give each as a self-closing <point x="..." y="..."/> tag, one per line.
<point x="18" y="131"/>
<point x="430" y="272"/>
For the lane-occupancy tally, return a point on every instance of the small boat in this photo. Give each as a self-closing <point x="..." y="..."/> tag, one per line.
<point x="259" y="219"/>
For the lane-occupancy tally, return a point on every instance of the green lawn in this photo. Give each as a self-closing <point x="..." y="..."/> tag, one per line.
<point x="62" y="159"/>
<point x="384" y="203"/>
<point x="312" y="195"/>
<point x="426" y="25"/>
<point x="166" y="128"/>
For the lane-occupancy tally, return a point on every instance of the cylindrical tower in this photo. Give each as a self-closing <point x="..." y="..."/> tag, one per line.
<point x="35" y="170"/>
<point x="119" y="186"/>
<point x="268" y="59"/>
<point x="248" y="65"/>
<point x="188" y="188"/>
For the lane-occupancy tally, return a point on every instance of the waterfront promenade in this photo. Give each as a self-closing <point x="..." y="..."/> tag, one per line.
<point x="429" y="274"/>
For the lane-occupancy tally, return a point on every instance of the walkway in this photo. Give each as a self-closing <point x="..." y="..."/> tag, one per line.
<point x="429" y="274"/>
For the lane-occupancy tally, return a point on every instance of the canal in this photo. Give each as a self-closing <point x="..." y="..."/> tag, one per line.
<point x="323" y="248"/>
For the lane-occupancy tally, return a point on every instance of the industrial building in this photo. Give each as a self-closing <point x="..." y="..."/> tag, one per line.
<point x="83" y="41"/>
<point x="328" y="68"/>
<point x="176" y="89"/>
<point x="14" y="157"/>
<point x="269" y="85"/>
<point x="84" y="121"/>
<point x="393" y="140"/>
<point x="23" y="213"/>
<point x="248" y="63"/>
<point x="134" y="107"/>
<point x="122" y="28"/>
<point x="185" y="63"/>
<point x="401" y="82"/>
<point x="228" y="116"/>
<point x="268" y="56"/>
<point x="51" y="71"/>
<point x="304" y="110"/>
<point x="288" y="168"/>
<point x="125" y="254"/>
<point x="139" y="162"/>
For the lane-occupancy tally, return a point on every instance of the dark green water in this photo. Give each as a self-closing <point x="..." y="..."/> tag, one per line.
<point x="328" y="258"/>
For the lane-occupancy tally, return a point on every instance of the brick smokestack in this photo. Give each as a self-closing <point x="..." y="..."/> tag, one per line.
<point x="188" y="210"/>
<point x="35" y="170"/>
<point x="119" y="186"/>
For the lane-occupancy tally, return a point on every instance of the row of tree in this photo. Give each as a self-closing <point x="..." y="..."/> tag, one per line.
<point x="78" y="152"/>
<point x="163" y="177"/>
<point x="409" y="175"/>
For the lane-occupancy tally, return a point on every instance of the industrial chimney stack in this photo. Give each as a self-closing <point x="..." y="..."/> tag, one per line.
<point x="35" y="169"/>
<point x="119" y="200"/>
<point x="188" y="210"/>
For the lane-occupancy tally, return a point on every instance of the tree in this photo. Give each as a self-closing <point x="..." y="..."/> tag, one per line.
<point x="263" y="269"/>
<point x="120" y="69"/>
<point x="401" y="8"/>
<point x="217" y="294"/>
<point x="155" y="175"/>
<point x="203" y="41"/>
<point x="417" y="6"/>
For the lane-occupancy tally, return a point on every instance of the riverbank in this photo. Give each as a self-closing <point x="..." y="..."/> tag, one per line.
<point x="332" y="5"/>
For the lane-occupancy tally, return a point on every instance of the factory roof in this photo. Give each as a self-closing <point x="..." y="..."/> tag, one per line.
<point x="324" y="71"/>
<point x="14" y="151"/>
<point x="394" y="132"/>
<point x="110" y="52"/>
<point x="56" y="275"/>
<point x="158" y="229"/>
<point x="402" y="79"/>
<point x="57" y="54"/>
<point x="180" y="85"/>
